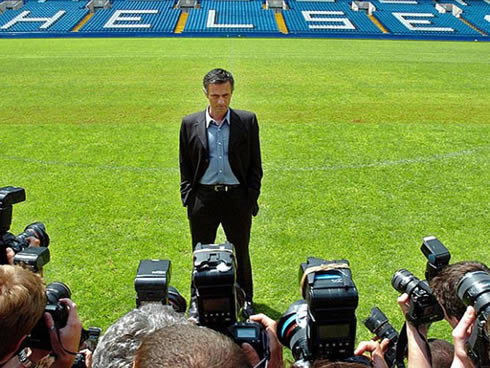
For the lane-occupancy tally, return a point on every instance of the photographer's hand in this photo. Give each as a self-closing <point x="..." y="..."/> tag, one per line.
<point x="10" y="256"/>
<point x="66" y="346"/>
<point x="461" y="334"/>
<point x="276" y="359"/>
<point x="376" y="350"/>
<point x="418" y="355"/>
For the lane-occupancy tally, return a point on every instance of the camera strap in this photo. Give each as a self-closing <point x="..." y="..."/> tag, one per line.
<point x="402" y="346"/>
<point x="323" y="267"/>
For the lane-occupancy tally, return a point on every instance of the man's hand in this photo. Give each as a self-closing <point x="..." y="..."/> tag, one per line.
<point x="66" y="346"/>
<point x="376" y="350"/>
<point x="276" y="359"/>
<point x="10" y="256"/>
<point x="418" y="354"/>
<point x="461" y="334"/>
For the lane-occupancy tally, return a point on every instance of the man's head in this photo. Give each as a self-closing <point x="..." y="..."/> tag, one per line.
<point x="442" y="353"/>
<point x="22" y="303"/>
<point x="218" y="87"/>
<point x="445" y="286"/>
<point x="118" y="346"/>
<point x="189" y="346"/>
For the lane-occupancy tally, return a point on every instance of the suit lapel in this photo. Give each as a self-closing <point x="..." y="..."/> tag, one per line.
<point x="235" y="130"/>
<point x="200" y="126"/>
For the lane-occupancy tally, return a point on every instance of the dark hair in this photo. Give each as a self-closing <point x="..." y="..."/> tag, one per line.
<point x="442" y="353"/>
<point x="445" y="286"/>
<point x="217" y="76"/>
<point x="189" y="346"/>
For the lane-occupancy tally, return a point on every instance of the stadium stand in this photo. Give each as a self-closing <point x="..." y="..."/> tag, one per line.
<point x="327" y="17"/>
<point x="52" y="16"/>
<point x="420" y="18"/>
<point x="407" y="19"/>
<point x="231" y="17"/>
<point x="134" y="16"/>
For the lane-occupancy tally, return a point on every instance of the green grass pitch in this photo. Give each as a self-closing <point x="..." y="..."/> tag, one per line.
<point x="368" y="146"/>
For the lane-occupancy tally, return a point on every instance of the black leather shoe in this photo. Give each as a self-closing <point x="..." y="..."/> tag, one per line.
<point x="248" y="309"/>
<point x="193" y="314"/>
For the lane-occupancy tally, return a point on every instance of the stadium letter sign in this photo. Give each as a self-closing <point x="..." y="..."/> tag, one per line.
<point x="315" y="16"/>
<point x="212" y="22"/>
<point x="22" y="17"/>
<point x="118" y="16"/>
<point x="411" y="24"/>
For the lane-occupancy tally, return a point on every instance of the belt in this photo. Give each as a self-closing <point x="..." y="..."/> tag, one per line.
<point x="219" y="187"/>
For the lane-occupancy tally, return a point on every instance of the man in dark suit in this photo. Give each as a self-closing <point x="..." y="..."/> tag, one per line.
<point x="221" y="171"/>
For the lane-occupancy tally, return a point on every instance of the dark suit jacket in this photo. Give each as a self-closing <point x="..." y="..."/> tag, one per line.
<point x="243" y="152"/>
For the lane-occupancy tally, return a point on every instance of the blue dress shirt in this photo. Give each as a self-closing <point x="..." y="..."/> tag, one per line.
<point x="219" y="170"/>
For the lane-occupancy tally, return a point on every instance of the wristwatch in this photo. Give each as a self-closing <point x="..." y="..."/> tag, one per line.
<point x="23" y="357"/>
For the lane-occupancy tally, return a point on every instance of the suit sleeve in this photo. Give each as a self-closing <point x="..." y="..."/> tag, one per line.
<point x="186" y="172"/>
<point x="254" y="175"/>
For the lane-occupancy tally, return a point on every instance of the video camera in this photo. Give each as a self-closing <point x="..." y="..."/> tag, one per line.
<point x="218" y="298"/>
<point x="152" y="285"/>
<point x="423" y="305"/>
<point x="379" y="325"/>
<point x="32" y="257"/>
<point x="474" y="289"/>
<point x="323" y="324"/>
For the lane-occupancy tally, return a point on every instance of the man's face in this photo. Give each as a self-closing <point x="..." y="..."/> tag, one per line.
<point x="219" y="96"/>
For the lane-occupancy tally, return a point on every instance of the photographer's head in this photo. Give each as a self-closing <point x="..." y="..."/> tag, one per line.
<point x="445" y="285"/>
<point x="22" y="302"/>
<point x="116" y="349"/>
<point x="189" y="346"/>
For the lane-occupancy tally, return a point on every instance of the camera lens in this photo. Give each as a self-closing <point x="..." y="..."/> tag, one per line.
<point x="404" y="281"/>
<point x="474" y="289"/>
<point x="56" y="291"/>
<point x="291" y="329"/>
<point x="37" y="230"/>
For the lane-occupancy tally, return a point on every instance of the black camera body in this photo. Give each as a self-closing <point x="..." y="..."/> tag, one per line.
<point x="19" y="244"/>
<point x="437" y="255"/>
<point x="214" y="278"/>
<point x="218" y="302"/>
<point x="39" y="336"/>
<point x="423" y="305"/>
<point x="152" y="285"/>
<point x="332" y="300"/>
<point x="252" y="333"/>
<point x="474" y="289"/>
<point x="378" y="324"/>
<point x="323" y="325"/>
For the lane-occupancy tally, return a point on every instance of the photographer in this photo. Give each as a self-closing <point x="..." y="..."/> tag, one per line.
<point x="22" y="303"/>
<point x="117" y="347"/>
<point x="445" y="286"/>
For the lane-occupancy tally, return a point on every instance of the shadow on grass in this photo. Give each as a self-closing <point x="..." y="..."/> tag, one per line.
<point x="268" y="311"/>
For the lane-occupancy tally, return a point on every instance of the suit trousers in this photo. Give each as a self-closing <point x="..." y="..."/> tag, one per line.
<point x="208" y="209"/>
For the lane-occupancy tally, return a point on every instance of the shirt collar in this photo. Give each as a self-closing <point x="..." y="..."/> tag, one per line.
<point x="209" y="119"/>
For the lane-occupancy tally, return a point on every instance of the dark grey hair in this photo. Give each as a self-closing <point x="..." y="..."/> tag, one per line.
<point x="117" y="348"/>
<point x="217" y="76"/>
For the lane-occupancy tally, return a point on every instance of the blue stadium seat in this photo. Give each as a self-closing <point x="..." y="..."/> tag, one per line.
<point x="420" y="19"/>
<point x="231" y="16"/>
<point x="134" y="16"/>
<point x="327" y="17"/>
<point x="63" y="15"/>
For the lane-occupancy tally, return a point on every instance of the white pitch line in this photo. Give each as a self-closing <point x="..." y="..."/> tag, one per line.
<point x="376" y="164"/>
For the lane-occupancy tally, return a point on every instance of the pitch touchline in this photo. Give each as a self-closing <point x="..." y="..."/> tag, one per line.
<point x="376" y="164"/>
